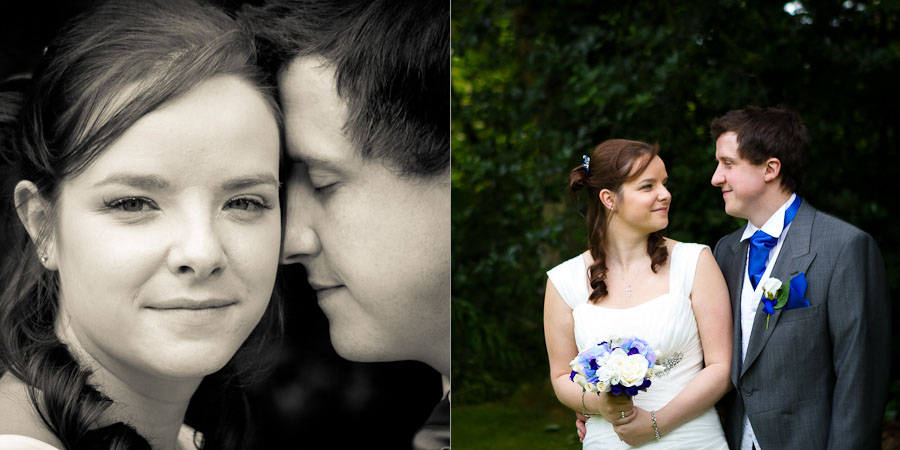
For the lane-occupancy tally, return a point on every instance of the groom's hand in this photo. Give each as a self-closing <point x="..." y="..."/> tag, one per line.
<point x="580" y="428"/>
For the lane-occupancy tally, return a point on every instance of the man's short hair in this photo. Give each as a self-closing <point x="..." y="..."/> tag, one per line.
<point x="763" y="133"/>
<point x="392" y="65"/>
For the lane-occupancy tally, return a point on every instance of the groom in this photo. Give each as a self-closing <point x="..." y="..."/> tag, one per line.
<point x="812" y="372"/>
<point x="363" y="87"/>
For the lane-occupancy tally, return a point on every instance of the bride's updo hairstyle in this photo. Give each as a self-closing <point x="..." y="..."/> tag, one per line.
<point x="612" y="163"/>
<point x="107" y="69"/>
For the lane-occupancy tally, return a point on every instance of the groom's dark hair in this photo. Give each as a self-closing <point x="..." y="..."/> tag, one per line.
<point x="763" y="133"/>
<point x="392" y="67"/>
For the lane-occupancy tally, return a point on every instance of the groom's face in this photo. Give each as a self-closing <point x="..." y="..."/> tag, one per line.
<point x="376" y="246"/>
<point x="741" y="181"/>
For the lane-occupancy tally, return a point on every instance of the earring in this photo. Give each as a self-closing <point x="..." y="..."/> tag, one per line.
<point x="44" y="258"/>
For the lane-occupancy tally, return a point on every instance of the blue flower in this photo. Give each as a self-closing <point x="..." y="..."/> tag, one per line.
<point x="639" y="346"/>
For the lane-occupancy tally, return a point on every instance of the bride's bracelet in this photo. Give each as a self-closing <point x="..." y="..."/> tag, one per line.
<point x="655" y="428"/>
<point x="583" y="412"/>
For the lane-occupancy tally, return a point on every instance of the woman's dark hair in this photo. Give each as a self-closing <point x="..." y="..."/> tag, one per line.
<point x="106" y="69"/>
<point x="764" y="133"/>
<point x="612" y="163"/>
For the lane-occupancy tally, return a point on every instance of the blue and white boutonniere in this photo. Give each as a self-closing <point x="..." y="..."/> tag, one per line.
<point x="778" y="295"/>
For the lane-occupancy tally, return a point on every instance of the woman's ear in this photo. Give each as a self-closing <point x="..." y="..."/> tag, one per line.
<point x="608" y="199"/>
<point x="34" y="213"/>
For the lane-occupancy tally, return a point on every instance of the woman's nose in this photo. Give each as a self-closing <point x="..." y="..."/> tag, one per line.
<point x="197" y="250"/>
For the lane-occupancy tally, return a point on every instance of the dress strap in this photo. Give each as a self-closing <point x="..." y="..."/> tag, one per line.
<point x="20" y="442"/>
<point x="683" y="266"/>
<point x="570" y="280"/>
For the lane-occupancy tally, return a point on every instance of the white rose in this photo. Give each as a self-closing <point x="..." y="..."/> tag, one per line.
<point x="771" y="286"/>
<point x="616" y="358"/>
<point x="604" y="372"/>
<point x="632" y="369"/>
<point x="581" y="380"/>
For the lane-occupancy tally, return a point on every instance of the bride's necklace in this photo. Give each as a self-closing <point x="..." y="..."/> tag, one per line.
<point x="627" y="286"/>
<point x="627" y="282"/>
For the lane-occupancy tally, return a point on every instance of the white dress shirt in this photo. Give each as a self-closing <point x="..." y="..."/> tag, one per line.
<point x="750" y="298"/>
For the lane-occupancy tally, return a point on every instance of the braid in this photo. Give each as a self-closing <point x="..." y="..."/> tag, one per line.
<point x="69" y="405"/>
<point x="58" y="386"/>
<point x="598" y="272"/>
<point x="656" y="248"/>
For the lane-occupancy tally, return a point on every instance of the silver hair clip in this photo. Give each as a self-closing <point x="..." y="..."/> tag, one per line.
<point x="586" y="163"/>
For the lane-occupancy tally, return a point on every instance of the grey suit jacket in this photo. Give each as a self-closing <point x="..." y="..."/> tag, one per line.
<point x="818" y="377"/>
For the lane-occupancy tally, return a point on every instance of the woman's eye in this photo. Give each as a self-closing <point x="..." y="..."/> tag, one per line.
<point x="247" y="204"/>
<point x="131" y="204"/>
<point x="241" y="203"/>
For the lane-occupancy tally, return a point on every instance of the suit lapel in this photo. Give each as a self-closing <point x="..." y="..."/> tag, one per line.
<point x="736" y="266"/>
<point x="795" y="257"/>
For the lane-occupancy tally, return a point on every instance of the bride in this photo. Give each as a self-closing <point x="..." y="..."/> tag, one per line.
<point x="137" y="296"/>
<point x="634" y="282"/>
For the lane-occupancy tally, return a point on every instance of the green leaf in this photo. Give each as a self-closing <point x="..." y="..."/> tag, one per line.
<point x="783" y="294"/>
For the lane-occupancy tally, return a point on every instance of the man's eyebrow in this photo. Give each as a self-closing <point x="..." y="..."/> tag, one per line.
<point x="250" y="180"/>
<point x="315" y="161"/>
<point x="142" y="181"/>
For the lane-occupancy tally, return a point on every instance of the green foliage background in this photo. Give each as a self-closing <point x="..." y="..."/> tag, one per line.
<point x="537" y="84"/>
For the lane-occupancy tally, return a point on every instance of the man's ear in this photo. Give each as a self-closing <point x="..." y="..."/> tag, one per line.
<point x="35" y="214"/>
<point x="772" y="169"/>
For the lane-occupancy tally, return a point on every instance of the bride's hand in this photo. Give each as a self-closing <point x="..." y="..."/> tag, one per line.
<point x="616" y="409"/>
<point x="637" y="431"/>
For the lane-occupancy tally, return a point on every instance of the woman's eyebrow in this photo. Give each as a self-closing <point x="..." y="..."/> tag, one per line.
<point x="144" y="181"/>
<point x="156" y="182"/>
<point x="250" y="180"/>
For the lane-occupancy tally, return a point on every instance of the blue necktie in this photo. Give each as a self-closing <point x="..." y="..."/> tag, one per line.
<point x="761" y="244"/>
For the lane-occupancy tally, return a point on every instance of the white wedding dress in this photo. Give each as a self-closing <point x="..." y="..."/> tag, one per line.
<point x="186" y="441"/>
<point x="667" y="323"/>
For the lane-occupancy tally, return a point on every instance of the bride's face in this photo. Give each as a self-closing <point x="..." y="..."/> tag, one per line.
<point x="167" y="244"/>
<point x="644" y="200"/>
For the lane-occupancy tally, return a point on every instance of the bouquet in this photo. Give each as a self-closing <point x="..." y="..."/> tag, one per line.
<point x="622" y="369"/>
